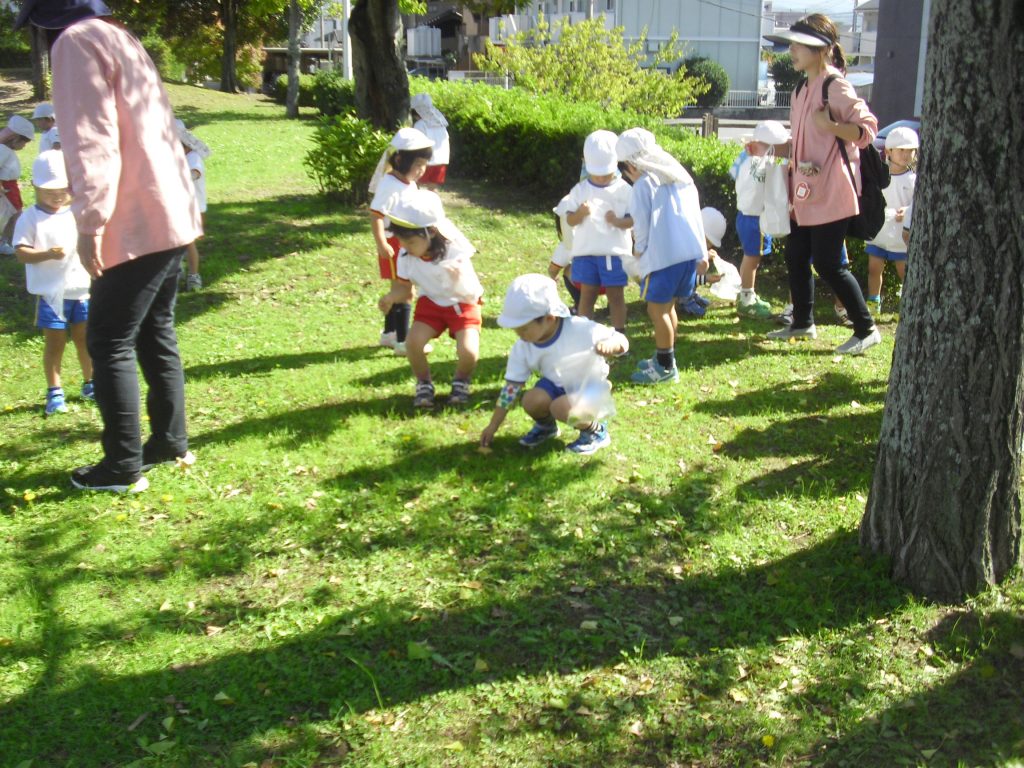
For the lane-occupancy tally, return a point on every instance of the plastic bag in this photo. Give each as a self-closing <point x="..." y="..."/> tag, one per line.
<point x="584" y="376"/>
<point x="728" y="288"/>
<point x="750" y="184"/>
<point x="775" y="217"/>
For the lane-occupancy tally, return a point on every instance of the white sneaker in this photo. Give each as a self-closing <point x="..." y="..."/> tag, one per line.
<point x="855" y="346"/>
<point x="401" y="352"/>
<point x="388" y="340"/>
<point x="789" y="332"/>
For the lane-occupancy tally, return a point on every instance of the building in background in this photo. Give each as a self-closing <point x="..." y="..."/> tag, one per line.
<point x="900" y="50"/>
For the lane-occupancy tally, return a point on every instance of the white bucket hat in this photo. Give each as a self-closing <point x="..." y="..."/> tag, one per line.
<point x="714" y="225"/>
<point x="406" y="139"/>
<point x="771" y="132"/>
<point x="42" y="110"/>
<point x="190" y="140"/>
<point x="902" y="138"/>
<point x="599" y="153"/>
<point x="424" y="107"/>
<point x="529" y="297"/>
<point x="639" y="147"/>
<point x="21" y="126"/>
<point x="48" y="171"/>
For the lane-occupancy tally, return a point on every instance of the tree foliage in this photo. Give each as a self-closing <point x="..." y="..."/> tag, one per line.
<point x="586" y="62"/>
<point x="782" y="72"/>
<point x="713" y="75"/>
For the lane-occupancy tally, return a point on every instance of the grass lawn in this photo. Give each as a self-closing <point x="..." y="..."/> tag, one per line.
<point x="342" y="581"/>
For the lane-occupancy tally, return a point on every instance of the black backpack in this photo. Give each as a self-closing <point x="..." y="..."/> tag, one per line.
<point x="874" y="177"/>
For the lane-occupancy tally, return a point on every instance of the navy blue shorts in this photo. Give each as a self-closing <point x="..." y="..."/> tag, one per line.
<point x="553" y="390"/>
<point x="754" y="241"/>
<point x="874" y="250"/>
<point x="664" y="286"/>
<point x="593" y="270"/>
<point x="75" y="311"/>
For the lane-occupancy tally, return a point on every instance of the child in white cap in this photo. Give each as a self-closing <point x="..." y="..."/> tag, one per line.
<point x="435" y="257"/>
<point x="749" y="173"/>
<point x="13" y="138"/>
<point x="901" y="154"/>
<point x="196" y="153"/>
<point x="561" y="258"/>
<point x="46" y="242"/>
<point x="669" y="242"/>
<point x="401" y="166"/>
<point x="43" y="119"/>
<point x="600" y="204"/>
<point x="432" y="124"/>
<point x="566" y="352"/>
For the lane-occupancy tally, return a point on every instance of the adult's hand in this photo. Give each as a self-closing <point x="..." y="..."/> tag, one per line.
<point x="89" y="254"/>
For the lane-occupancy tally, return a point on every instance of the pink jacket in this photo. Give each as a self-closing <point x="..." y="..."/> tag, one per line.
<point x="830" y="195"/>
<point x="126" y="166"/>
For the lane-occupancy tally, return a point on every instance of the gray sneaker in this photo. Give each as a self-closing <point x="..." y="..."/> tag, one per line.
<point x="193" y="283"/>
<point x="789" y="332"/>
<point x="855" y="346"/>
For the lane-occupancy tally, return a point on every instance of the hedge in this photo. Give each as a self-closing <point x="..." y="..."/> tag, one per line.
<point x="306" y="98"/>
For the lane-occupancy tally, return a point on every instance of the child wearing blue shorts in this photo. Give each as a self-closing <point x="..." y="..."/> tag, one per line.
<point x="46" y="242"/>
<point x="670" y="246"/>
<point x="598" y="243"/>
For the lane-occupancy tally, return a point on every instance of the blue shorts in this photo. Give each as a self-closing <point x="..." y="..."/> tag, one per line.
<point x="75" y="310"/>
<point x="593" y="270"/>
<point x="874" y="250"/>
<point x="664" y="286"/>
<point x="753" y="240"/>
<point x="550" y="387"/>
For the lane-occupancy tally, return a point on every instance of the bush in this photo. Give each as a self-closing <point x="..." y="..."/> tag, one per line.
<point x="713" y="75"/>
<point x="333" y="94"/>
<point x="306" y="98"/>
<point x="783" y="74"/>
<point x="346" y="153"/>
<point x="163" y="57"/>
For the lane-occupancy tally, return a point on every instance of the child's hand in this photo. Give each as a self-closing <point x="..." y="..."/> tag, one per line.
<point x="756" y="148"/>
<point x="487" y="436"/>
<point x="900" y="214"/>
<point x="610" y="217"/>
<point x="385" y="303"/>
<point x="607" y="349"/>
<point x="56" y="253"/>
<point x="702" y="267"/>
<point x="385" y="251"/>
<point x="712" y="255"/>
<point x="583" y="210"/>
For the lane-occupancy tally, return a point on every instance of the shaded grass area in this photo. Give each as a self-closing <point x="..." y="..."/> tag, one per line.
<point x="342" y="581"/>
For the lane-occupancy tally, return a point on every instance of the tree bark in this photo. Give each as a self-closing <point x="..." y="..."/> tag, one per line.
<point x="294" y="59"/>
<point x="945" y="501"/>
<point x="229" y="18"/>
<point x="40" y="62"/>
<point x="381" y="80"/>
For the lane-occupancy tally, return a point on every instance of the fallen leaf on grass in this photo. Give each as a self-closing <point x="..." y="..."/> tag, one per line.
<point x="675" y="621"/>
<point x="854" y="404"/>
<point x="166" y="605"/>
<point x="637" y="728"/>
<point x="481" y="666"/>
<point x="484" y="449"/>
<point x="418" y="651"/>
<point x="212" y="630"/>
<point x="223" y="698"/>
<point x="738" y="696"/>
<point x="454" y="746"/>
<point x="588" y="626"/>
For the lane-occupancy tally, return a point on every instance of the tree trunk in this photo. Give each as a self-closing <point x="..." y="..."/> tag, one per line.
<point x="40" y="62"/>
<point x="229" y="18"/>
<point x="382" y="83"/>
<point x="945" y="499"/>
<point x="294" y="58"/>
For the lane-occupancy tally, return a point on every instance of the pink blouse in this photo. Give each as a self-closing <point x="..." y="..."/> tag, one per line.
<point x="830" y="195"/>
<point x="126" y="166"/>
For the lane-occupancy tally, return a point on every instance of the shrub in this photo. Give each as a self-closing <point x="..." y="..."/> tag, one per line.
<point x="585" y="62"/>
<point x="713" y="75"/>
<point x="333" y="94"/>
<point x="163" y="57"/>
<point x="783" y="74"/>
<point x="345" y="155"/>
<point x="306" y="98"/>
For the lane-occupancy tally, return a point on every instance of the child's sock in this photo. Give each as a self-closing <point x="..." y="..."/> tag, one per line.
<point x="747" y="296"/>
<point x="666" y="358"/>
<point x="876" y="297"/>
<point x="402" y="312"/>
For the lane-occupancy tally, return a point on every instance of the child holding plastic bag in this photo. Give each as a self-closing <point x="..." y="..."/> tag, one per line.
<point x="568" y="353"/>
<point x="435" y="257"/>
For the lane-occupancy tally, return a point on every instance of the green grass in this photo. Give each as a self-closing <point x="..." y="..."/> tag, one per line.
<point x="341" y="581"/>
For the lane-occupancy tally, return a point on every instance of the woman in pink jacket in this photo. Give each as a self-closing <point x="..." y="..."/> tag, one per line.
<point x="136" y="214"/>
<point x="821" y="192"/>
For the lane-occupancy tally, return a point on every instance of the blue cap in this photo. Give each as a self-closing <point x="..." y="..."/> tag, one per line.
<point x="58" y="14"/>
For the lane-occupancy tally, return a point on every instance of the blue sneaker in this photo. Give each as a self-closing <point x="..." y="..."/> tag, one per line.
<point x="691" y="306"/>
<point x="700" y="300"/>
<point x="55" y="402"/>
<point x="653" y="372"/>
<point x="590" y="440"/>
<point x="539" y="434"/>
<point x="88" y="391"/>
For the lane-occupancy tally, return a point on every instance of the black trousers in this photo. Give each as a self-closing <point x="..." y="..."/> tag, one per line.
<point x="823" y="244"/>
<point x="131" y="319"/>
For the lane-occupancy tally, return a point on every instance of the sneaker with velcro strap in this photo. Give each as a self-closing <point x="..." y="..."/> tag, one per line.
<point x="541" y="432"/>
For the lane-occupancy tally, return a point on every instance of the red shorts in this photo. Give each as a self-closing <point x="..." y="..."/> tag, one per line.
<point x="389" y="266"/>
<point x="13" y="193"/>
<point x="452" y="319"/>
<point x="435" y="174"/>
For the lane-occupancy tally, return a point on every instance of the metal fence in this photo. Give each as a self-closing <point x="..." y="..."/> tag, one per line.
<point x="473" y="76"/>
<point x="759" y="98"/>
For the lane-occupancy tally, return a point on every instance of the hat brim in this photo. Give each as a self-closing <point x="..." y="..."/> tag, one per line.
<point x="60" y="18"/>
<point x="789" y="36"/>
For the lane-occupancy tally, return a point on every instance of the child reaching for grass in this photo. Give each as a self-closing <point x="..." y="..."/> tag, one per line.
<point x="568" y="354"/>
<point x="435" y="257"/>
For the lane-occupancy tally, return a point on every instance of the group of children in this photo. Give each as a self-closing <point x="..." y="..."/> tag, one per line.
<point x="635" y="214"/>
<point x="44" y="237"/>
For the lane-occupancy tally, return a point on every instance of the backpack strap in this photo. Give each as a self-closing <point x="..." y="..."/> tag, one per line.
<point x="842" y="144"/>
<point x="799" y="86"/>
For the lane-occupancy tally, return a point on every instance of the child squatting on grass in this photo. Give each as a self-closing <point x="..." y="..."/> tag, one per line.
<point x="669" y="243"/>
<point x="435" y="257"/>
<point x="402" y="165"/>
<point x="46" y="242"/>
<point x="568" y="354"/>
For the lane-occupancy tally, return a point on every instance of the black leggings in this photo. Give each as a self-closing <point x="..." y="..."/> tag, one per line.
<point x="823" y="244"/>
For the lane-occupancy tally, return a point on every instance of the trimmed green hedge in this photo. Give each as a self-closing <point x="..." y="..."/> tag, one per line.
<point x="333" y="94"/>
<point x="306" y="98"/>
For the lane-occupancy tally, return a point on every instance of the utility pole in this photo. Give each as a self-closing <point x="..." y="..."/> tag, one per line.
<point x="346" y="52"/>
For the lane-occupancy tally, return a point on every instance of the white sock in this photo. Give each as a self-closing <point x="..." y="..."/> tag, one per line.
<point x="747" y="296"/>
